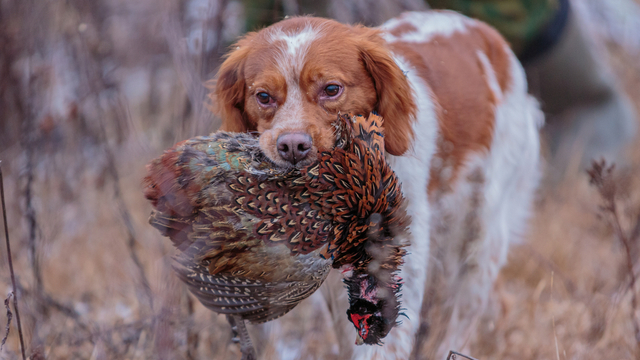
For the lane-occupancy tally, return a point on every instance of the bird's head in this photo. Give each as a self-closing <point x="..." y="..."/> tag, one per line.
<point x="371" y="326"/>
<point x="373" y="307"/>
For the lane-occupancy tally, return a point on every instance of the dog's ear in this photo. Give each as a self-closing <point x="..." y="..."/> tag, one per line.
<point x="228" y="88"/>
<point x="395" y="101"/>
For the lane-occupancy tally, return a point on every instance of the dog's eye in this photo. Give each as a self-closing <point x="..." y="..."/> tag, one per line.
<point x="332" y="90"/>
<point x="263" y="98"/>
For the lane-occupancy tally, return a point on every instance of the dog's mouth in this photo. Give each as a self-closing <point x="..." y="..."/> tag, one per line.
<point x="311" y="157"/>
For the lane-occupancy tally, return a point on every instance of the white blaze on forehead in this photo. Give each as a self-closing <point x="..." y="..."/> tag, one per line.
<point x="298" y="40"/>
<point x="427" y="25"/>
<point x="291" y="113"/>
<point x="293" y="49"/>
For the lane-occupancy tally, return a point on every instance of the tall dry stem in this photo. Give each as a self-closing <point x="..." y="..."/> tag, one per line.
<point x="13" y="276"/>
<point x="601" y="176"/>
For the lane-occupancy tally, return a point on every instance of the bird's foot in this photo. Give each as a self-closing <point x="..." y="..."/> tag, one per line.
<point x="241" y="335"/>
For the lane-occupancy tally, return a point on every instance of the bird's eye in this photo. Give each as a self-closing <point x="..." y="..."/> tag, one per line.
<point x="263" y="98"/>
<point x="332" y="90"/>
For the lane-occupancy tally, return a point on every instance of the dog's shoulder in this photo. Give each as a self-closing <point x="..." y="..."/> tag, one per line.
<point x="465" y="68"/>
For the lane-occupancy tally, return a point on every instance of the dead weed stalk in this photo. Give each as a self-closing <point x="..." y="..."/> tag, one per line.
<point x="601" y="176"/>
<point x="92" y="76"/>
<point x="9" y="318"/>
<point x="13" y="276"/>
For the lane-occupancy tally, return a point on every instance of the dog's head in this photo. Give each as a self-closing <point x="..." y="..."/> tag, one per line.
<point x="289" y="81"/>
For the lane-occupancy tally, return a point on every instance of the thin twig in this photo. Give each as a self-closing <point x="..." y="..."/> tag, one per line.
<point x="553" y="322"/>
<point x="9" y="317"/>
<point x="29" y="146"/>
<point x="193" y="337"/>
<point x="601" y="176"/>
<point x="96" y="83"/>
<point x="31" y="219"/>
<point x="193" y="69"/>
<point x="632" y="285"/>
<point x="125" y="215"/>
<point x="635" y="234"/>
<point x="453" y="355"/>
<point x="545" y="261"/>
<point x="90" y="329"/>
<point x="13" y="276"/>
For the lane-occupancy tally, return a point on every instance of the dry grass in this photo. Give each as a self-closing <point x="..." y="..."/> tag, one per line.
<point x="82" y="129"/>
<point x="567" y="286"/>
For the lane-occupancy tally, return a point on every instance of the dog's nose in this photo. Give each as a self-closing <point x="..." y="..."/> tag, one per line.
<point x="294" y="147"/>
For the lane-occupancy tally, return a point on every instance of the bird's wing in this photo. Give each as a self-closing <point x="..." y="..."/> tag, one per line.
<point x="255" y="300"/>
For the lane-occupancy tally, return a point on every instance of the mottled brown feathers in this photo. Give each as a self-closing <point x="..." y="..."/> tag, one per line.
<point x="239" y="220"/>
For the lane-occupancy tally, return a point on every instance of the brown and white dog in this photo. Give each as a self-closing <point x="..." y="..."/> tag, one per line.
<point x="461" y="133"/>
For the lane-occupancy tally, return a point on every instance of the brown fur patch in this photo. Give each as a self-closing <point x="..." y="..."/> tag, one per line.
<point x="402" y="29"/>
<point x="395" y="98"/>
<point x="229" y="87"/>
<point x="465" y="104"/>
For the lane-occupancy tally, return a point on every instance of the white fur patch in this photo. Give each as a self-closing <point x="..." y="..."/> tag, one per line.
<point x="412" y="170"/>
<point x="490" y="75"/>
<point x="427" y="24"/>
<point x="296" y="41"/>
<point x="509" y="175"/>
<point x="294" y="51"/>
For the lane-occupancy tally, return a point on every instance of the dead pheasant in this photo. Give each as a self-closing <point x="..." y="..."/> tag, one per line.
<point x="256" y="239"/>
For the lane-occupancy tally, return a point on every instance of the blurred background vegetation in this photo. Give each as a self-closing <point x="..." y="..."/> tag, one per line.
<point x="90" y="91"/>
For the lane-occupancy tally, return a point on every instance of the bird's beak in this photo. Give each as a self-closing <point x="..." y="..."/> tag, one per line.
<point x="359" y="340"/>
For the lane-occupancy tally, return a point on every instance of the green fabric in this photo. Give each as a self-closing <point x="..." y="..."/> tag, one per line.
<point x="262" y="13"/>
<point x="519" y="21"/>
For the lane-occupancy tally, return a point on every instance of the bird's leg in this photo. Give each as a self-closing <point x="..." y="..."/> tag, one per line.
<point x="240" y="330"/>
